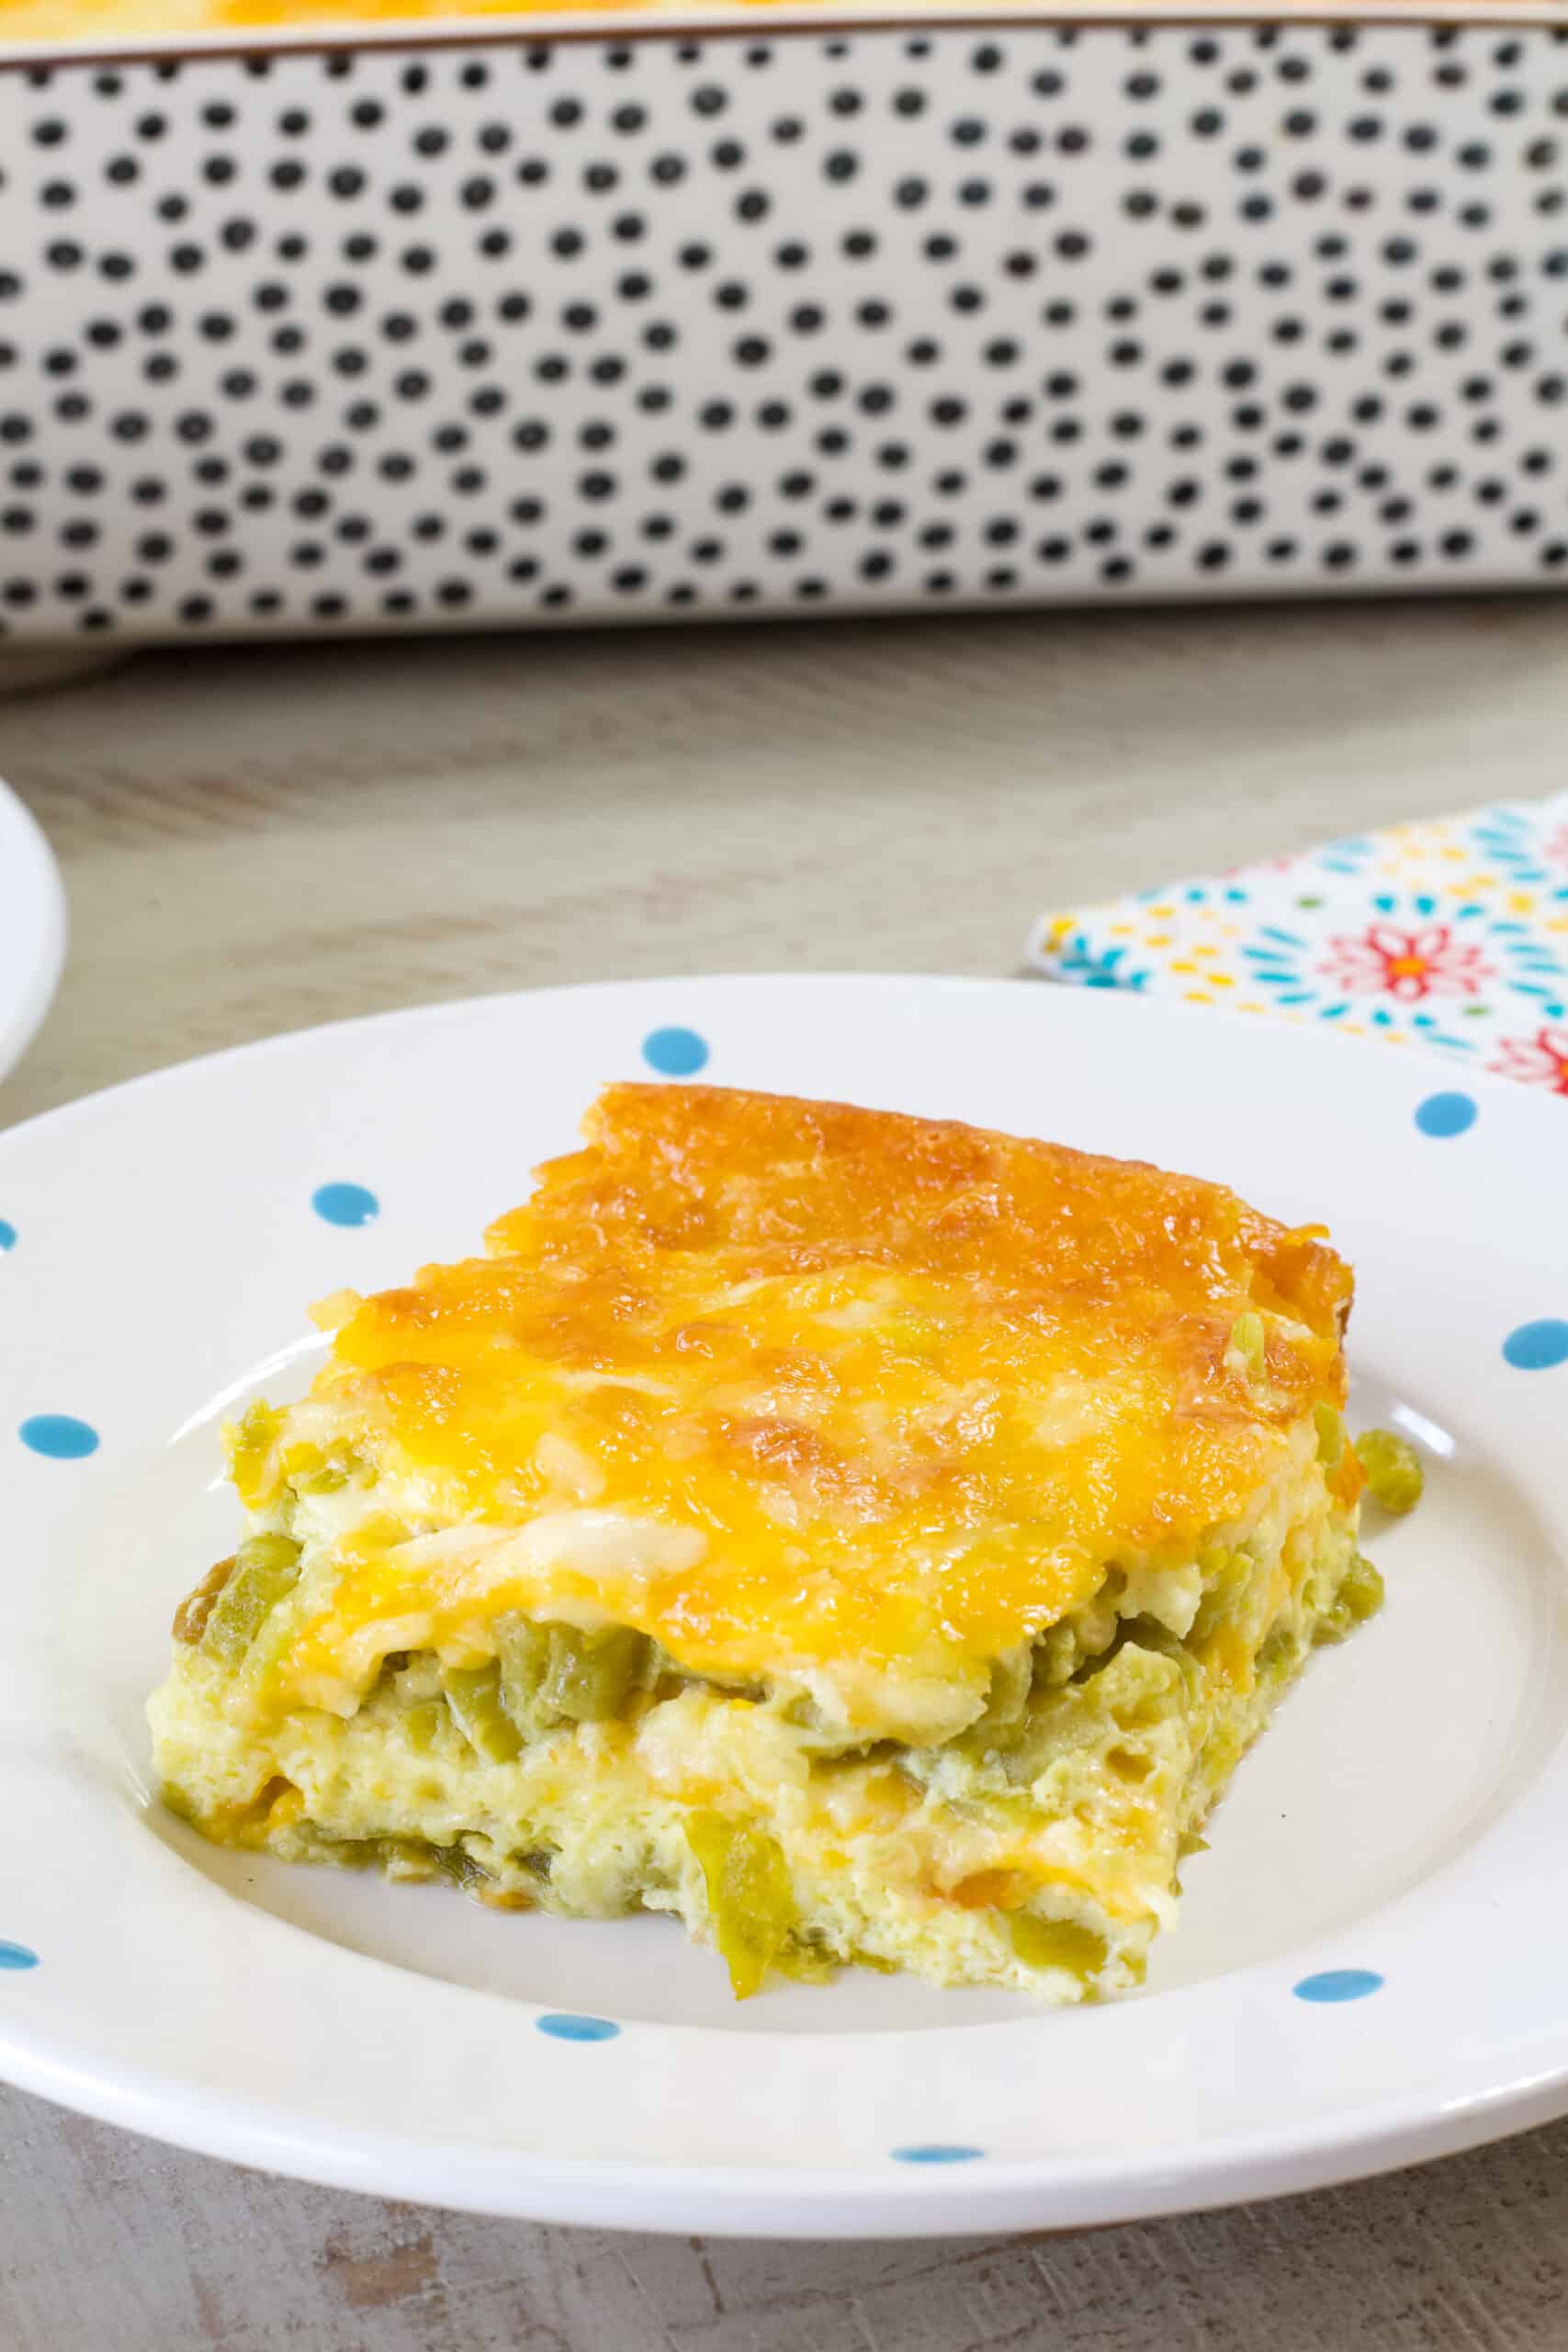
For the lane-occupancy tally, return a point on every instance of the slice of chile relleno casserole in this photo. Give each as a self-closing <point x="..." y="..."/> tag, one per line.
<point x="871" y="1539"/>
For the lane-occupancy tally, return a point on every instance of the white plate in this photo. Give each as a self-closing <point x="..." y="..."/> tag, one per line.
<point x="1396" y="1835"/>
<point x="32" y="928"/>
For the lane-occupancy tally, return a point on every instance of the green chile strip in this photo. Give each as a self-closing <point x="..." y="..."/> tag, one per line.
<point x="265" y="1568"/>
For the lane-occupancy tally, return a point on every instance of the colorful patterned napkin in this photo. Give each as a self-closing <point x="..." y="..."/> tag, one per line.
<point x="1452" y="933"/>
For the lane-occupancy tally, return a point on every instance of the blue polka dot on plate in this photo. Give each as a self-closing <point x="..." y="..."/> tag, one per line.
<point x="17" y="1956"/>
<point x="937" y="2152"/>
<point x="1536" y="1347"/>
<point x="1338" y="1984"/>
<point x="675" y="1053"/>
<point x="345" y="1204"/>
<point x="562" y="2026"/>
<point x="60" y="1435"/>
<point x="8" y="1234"/>
<point x="1446" y="1115"/>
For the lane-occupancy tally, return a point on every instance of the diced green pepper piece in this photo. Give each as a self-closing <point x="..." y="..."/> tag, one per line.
<point x="191" y="1616"/>
<point x="554" y="1674"/>
<point x="1058" y="1943"/>
<point x="806" y="1963"/>
<point x="524" y="1657"/>
<point x="1246" y="1336"/>
<point x="1276" y="1653"/>
<point x="1057" y="1653"/>
<point x="751" y="1901"/>
<point x="591" y="1676"/>
<point x="1395" y="1479"/>
<point x="1012" y="1678"/>
<point x="474" y="1696"/>
<point x="1330" y="1435"/>
<point x="251" y="1441"/>
<point x="1361" y="1588"/>
<point x="1360" y="1596"/>
<point x="325" y="1481"/>
<point x="422" y="1724"/>
<point x="265" y="1568"/>
<point x="312" y="1473"/>
<point x="459" y="1868"/>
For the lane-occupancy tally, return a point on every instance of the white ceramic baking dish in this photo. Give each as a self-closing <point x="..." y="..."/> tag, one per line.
<point x="617" y="318"/>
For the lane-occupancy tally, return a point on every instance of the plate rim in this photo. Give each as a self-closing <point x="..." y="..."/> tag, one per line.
<point x="1095" y="1003"/>
<point x="818" y="2202"/>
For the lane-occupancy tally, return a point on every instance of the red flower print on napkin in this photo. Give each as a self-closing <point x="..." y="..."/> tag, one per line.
<point x="1540" y="1060"/>
<point x="1386" y="961"/>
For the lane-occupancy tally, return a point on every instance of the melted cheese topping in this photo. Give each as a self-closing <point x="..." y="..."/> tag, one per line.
<point x="82" y="22"/>
<point x="787" y="1385"/>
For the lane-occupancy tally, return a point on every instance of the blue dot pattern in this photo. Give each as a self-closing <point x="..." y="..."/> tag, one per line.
<point x="17" y="1956"/>
<point x="8" y="1234"/>
<point x="345" y="1204"/>
<point x="60" y="1435"/>
<point x="562" y="2026"/>
<point x="1339" y="1985"/>
<point x="1536" y="1347"/>
<point x="1446" y="1115"/>
<point x="937" y="2152"/>
<point x="675" y="1053"/>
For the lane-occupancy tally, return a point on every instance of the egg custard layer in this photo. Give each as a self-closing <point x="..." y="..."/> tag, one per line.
<point x="872" y="1539"/>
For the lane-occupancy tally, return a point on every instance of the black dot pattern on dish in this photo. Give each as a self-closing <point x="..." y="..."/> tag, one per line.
<point x="561" y="331"/>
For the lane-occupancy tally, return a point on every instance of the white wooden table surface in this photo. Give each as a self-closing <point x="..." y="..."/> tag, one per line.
<point x="255" y="840"/>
